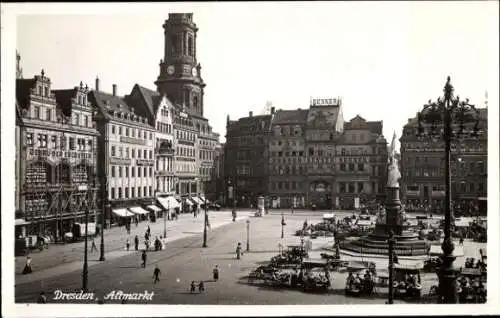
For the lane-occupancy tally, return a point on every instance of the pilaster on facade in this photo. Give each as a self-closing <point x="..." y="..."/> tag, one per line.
<point x="56" y="157"/>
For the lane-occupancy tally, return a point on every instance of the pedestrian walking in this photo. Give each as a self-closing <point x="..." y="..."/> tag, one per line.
<point x="136" y="242"/>
<point x="216" y="273"/>
<point x="146" y="242"/>
<point x="238" y="251"/>
<point x="27" y="267"/>
<point x="128" y="244"/>
<point x="193" y="287"/>
<point x="94" y="247"/>
<point x="201" y="287"/>
<point x="42" y="299"/>
<point x="136" y="221"/>
<point x="144" y="258"/>
<point x="156" y="274"/>
<point x="149" y="231"/>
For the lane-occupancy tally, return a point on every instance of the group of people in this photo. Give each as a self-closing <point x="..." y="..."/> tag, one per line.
<point x="366" y="283"/>
<point x="471" y="289"/>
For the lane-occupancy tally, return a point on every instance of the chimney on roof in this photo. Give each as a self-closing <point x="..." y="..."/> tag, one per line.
<point x="227" y="120"/>
<point x="114" y="89"/>
<point x="272" y="110"/>
<point x="250" y="113"/>
<point x="97" y="84"/>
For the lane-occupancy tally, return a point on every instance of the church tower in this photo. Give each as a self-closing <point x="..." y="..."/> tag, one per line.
<point x="180" y="73"/>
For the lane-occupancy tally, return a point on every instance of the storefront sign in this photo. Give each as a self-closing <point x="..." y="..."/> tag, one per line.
<point x="119" y="161"/>
<point x="58" y="154"/>
<point x="325" y="102"/>
<point x="142" y="162"/>
<point x="134" y="141"/>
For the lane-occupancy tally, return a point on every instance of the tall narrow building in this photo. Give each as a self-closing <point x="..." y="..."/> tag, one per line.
<point x="180" y="80"/>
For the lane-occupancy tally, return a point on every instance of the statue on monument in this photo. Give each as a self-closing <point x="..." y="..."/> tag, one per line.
<point x="393" y="174"/>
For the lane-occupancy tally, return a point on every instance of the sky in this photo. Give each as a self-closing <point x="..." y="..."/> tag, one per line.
<point x="385" y="60"/>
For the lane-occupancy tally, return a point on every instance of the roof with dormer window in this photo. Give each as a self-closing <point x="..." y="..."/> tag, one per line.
<point x="116" y="108"/>
<point x="23" y="91"/>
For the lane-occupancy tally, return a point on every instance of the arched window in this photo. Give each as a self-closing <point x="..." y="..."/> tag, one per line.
<point x="190" y="46"/>
<point x="195" y="102"/>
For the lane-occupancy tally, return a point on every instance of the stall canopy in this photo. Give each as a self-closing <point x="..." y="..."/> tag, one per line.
<point x="365" y="222"/>
<point x="21" y="222"/>
<point x="197" y="200"/>
<point x="154" y="208"/>
<point x="189" y="201"/>
<point x="169" y="203"/>
<point x="204" y="200"/>
<point x="328" y="216"/>
<point x="435" y="250"/>
<point x="122" y="213"/>
<point x="138" y="210"/>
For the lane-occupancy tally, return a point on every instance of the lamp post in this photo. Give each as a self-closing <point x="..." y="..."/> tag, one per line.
<point x="205" y="226"/>
<point x="391" y="268"/>
<point x="165" y="220"/>
<point x="85" y="273"/>
<point x="105" y="207"/>
<point x="248" y="235"/>
<point x="282" y="225"/>
<point x="456" y="118"/>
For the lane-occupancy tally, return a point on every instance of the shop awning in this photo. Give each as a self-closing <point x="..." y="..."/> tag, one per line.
<point x="197" y="200"/>
<point x="138" y="210"/>
<point x="169" y="203"/>
<point x="328" y="216"/>
<point x="365" y="222"/>
<point x="435" y="250"/>
<point x="20" y="222"/>
<point x="154" y="208"/>
<point x="189" y="201"/>
<point x="122" y="213"/>
<point x="204" y="200"/>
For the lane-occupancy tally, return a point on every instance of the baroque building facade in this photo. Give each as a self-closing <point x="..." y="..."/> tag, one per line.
<point x="126" y="154"/>
<point x="56" y="158"/>
<point x="181" y="82"/>
<point x="245" y="159"/>
<point x="315" y="159"/>
<point x="422" y="169"/>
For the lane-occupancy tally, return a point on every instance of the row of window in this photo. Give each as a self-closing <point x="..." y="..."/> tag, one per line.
<point x="185" y="151"/>
<point x="164" y="128"/>
<point x="59" y="142"/>
<point x="206" y="155"/>
<point x="131" y="192"/>
<point x="126" y="152"/>
<point x="124" y="172"/>
<point x="461" y="186"/>
<point x="208" y="143"/>
<point x="180" y="134"/>
<point x="321" y="152"/>
<point x="206" y="171"/>
<point x="165" y="164"/>
<point x="185" y="167"/>
<point x="131" y="132"/>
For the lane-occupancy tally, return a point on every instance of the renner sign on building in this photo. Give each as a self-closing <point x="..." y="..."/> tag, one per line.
<point x="325" y="102"/>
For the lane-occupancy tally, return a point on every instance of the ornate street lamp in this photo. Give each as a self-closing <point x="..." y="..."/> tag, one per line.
<point x="282" y="225"/>
<point x="391" y="242"/>
<point x="105" y="207"/>
<point x="448" y="118"/>
<point x="248" y="235"/>
<point x="85" y="274"/>
<point x="206" y="223"/>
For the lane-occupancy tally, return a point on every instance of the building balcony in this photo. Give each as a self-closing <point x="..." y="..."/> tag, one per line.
<point x="164" y="151"/>
<point x="164" y="173"/>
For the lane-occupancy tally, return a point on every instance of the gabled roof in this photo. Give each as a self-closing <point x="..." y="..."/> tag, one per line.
<point x="253" y="124"/>
<point x="296" y="116"/>
<point x="23" y="91"/>
<point x="323" y="116"/>
<point x="374" y="126"/>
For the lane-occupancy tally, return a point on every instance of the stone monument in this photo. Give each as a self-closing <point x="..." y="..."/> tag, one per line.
<point x="391" y="217"/>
